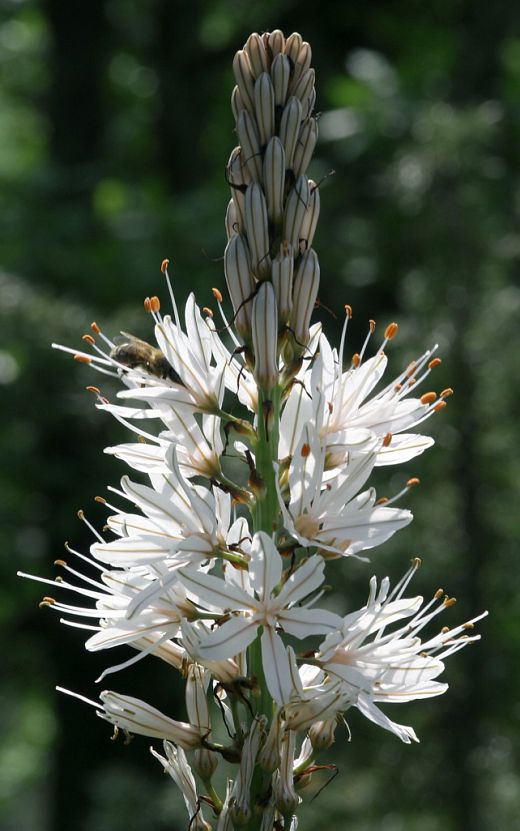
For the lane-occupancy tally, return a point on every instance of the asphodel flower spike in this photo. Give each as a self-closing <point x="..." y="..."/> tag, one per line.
<point x="214" y="554"/>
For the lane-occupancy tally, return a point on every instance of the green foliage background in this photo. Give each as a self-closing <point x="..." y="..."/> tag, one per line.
<point x="114" y="134"/>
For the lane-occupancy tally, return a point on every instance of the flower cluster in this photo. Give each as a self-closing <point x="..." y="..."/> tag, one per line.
<point x="213" y="557"/>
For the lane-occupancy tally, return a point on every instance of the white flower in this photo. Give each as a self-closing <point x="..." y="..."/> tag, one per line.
<point x="334" y="515"/>
<point x="347" y="419"/>
<point x="261" y="603"/>
<point x="374" y="665"/>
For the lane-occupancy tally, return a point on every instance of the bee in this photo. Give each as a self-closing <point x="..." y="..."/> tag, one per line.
<point x="138" y="354"/>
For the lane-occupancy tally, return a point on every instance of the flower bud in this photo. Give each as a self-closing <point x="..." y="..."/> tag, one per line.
<point x="304" y="86"/>
<point x="264" y="326"/>
<point x="321" y="734"/>
<point x="256" y="53"/>
<point x="240" y="797"/>
<point x="276" y="42"/>
<point x="205" y="763"/>
<point x="311" y="215"/>
<point x="290" y="128"/>
<point x="274" y="178"/>
<point x="264" y="107"/>
<point x="244" y="79"/>
<point x="269" y="756"/>
<point x="238" y="176"/>
<point x="282" y="277"/>
<point x="293" y="45"/>
<point x="302" y="63"/>
<point x="249" y="139"/>
<point x="257" y="231"/>
<point x="232" y="221"/>
<point x="295" y="208"/>
<point x="285" y="795"/>
<point x="280" y="74"/>
<point x="240" y="282"/>
<point x="305" y="146"/>
<point x="309" y="103"/>
<point x="196" y="701"/>
<point x="237" y="105"/>
<point x="305" y="292"/>
<point x="137" y="716"/>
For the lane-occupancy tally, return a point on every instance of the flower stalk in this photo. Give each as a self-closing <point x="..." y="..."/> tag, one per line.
<point x="212" y="572"/>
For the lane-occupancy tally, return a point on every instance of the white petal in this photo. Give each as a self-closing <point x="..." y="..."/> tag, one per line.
<point x="276" y="667"/>
<point x="265" y="568"/>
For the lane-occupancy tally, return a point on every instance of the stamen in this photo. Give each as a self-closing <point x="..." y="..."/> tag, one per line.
<point x="83" y="518"/>
<point x="217" y="294"/>
<point x="164" y="269"/>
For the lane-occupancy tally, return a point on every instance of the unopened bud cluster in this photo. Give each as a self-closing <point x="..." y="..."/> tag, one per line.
<point x="272" y="215"/>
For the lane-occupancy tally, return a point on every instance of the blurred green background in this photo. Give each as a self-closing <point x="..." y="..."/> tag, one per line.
<point x="114" y="134"/>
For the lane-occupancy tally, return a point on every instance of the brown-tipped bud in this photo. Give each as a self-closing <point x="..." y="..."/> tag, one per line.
<point x="276" y="41"/>
<point x="282" y="277"/>
<point x="305" y="146"/>
<point x="264" y="327"/>
<point x="293" y="45"/>
<point x="244" y="79"/>
<point x="237" y="105"/>
<point x="256" y="53"/>
<point x="240" y="283"/>
<point x="321" y="734"/>
<point x="232" y="221"/>
<point x="249" y="139"/>
<point x="257" y="231"/>
<point x="280" y="74"/>
<point x="290" y="128"/>
<point x="274" y="178"/>
<point x="264" y="107"/>
<point x="295" y="208"/>
<point x="305" y="292"/>
<point x="311" y="215"/>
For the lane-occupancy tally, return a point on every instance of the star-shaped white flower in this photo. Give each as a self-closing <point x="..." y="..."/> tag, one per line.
<point x="333" y="514"/>
<point x="265" y="602"/>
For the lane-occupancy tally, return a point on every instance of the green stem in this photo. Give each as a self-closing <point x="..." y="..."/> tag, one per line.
<point x="266" y="509"/>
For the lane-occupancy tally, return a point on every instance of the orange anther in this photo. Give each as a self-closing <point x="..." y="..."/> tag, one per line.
<point x="88" y="339"/>
<point x="439" y="406"/>
<point x="413" y="481"/>
<point x="155" y="303"/>
<point x="372" y="325"/>
<point x="104" y="400"/>
<point x="348" y="310"/>
<point x="447" y="392"/>
<point x="83" y="359"/>
<point x="468" y="625"/>
<point x="356" y="360"/>
<point x="217" y="294"/>
<point x="81" y="514"/>
<point x="141" y="439"/>
<point x="398" y="387"/>
<point x="445" y="630"/>
<point x="100" y="499"/>
<point x="95" y="390"/>
<point x="306" y="450"/>
<point x="147" y="303"/>
<point x="95" y="328"/>
<point x="387" y="439"/>
<point x="47" y="601"/>
<point x="416" y="562"/>
<point x="382" y="500"/>
<point x="60" y="563"/>
<point x="164" y="266"/>
<point x="428" y="397"/>
<point x="438" y="594"/>
<point x="207" y="311"/>
<point x="450" y="601"/>
<point x="411" y="369"/>
<point x="434" y="362"/>
<point x="391" y="331"/>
